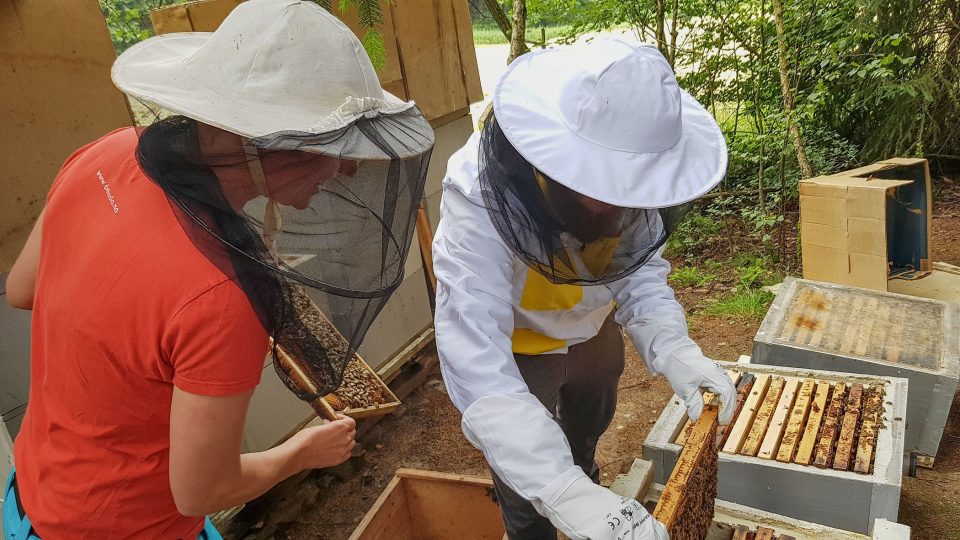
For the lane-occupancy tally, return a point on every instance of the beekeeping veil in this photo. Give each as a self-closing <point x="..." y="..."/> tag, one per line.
<point x="589" y="157"/>
<point x="289" y="167"/>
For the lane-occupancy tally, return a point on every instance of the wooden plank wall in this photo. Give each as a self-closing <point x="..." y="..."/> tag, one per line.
<point x="55" y="60"/>
<point x="430" y="53"/>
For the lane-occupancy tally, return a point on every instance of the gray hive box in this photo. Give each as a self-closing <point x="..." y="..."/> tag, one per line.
<point x="842" y="499"/>
<point x="839" y="328"/>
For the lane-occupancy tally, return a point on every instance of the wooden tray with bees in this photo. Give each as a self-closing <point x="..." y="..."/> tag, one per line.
<point x="363" y="394"/>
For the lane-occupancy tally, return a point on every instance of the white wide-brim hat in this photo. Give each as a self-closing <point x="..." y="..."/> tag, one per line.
<point x="272" y="67"/>
<point x="608" y="120"/>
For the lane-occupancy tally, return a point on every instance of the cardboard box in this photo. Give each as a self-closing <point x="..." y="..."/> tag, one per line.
<point x="862" y="227"/>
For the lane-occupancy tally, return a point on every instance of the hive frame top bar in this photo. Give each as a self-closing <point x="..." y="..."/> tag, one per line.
<point x="949" y="357"/>
<point x="894" y="407"/>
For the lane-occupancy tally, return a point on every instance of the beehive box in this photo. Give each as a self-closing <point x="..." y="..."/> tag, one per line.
<point x="834" y="327"/>
<point x="836" y="469"/>
<point x="737" y="522"/>
<point x="426" y="505"/>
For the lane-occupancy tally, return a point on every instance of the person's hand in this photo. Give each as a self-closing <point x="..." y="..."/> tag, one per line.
<point x="326" y="445"/>
<point x="688" y="371"/>
<point x="586" y="511"/>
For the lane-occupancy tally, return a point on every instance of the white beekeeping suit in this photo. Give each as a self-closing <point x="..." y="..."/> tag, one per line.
<point x="604" y="122"/>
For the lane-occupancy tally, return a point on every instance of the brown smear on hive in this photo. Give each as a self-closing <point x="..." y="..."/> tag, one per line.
<point x="803" y="321"/>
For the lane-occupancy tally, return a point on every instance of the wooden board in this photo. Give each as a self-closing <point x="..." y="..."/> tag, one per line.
<point x="866" y="444"/>
<point x="767" y="407"/>
<point x="741" y="532"/>
<point x="57" y="97"/>
<point x="810" y="432"/>
<point x="468" y="52"/>
<point x="798" y="419"/>
<point x="708" y="398"/>
<point x="848" y="429"/>
<point x="388" y="518"/>
<point x="764" y="533"/>
<point x="743" y="392"/>
<point x="687" y="502"/>
<point x="778" y="424"/>
<point x="446" y="506"/>
<point x="831" y="426"/>
<point x="433" y="75"/>
<point x="741" y="428"/>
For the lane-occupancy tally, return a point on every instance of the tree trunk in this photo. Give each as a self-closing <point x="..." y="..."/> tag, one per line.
<point x="518" y="43"/>
<point x="661" y="29"/>
<point x="673" y="33"/>
<point x="496" y="11"/>
<point x="804" y="163"/>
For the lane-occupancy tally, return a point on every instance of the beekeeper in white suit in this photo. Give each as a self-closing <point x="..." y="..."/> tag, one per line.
<point x="552" y="225"/>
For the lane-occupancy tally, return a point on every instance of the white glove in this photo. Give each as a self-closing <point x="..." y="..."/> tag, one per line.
<point x="586" y="511"/>
<point x="688" y="370"/>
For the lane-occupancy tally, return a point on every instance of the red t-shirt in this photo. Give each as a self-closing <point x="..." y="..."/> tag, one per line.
<point x="125" y="308"/>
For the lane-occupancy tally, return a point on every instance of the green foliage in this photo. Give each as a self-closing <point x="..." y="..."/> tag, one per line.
<point x="750" y="304"/>
<point x="373" y="44"/>
<point x="690" y="276"/>
<point x="692" y="233"/>
<point x="870" y="80"/>
<point x="129" y="22"/>
<point x="490" y="34"/>
<point x="752" y="274"/>
<point x="370" y="17"/>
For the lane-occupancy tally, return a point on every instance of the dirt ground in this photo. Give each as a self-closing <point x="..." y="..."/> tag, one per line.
<point x="425" y="432"/>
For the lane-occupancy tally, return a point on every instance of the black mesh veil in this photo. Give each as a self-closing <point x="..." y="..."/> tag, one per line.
<point x="567" y="237"/>
<point x="300" y="221"/>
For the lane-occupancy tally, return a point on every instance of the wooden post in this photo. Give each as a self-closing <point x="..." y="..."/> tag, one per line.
<point x="425" y="239"/>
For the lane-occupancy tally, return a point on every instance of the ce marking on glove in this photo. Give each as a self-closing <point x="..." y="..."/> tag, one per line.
<point x="633" y="527"/>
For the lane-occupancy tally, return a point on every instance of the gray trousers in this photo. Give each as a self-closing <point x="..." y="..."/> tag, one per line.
<point x="580" y="389"/>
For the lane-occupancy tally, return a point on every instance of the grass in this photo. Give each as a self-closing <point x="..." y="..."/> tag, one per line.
<point x="690" y="276"/>
<point x="487" y="34"/>
<point x="751" y="304"/>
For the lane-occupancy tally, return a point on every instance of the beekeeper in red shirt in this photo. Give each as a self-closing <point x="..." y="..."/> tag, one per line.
<point x="154" y="291"/>
<point x="552" y="226"/>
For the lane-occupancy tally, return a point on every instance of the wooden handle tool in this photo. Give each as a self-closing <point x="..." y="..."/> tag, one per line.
<point x="297" y="372"/>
